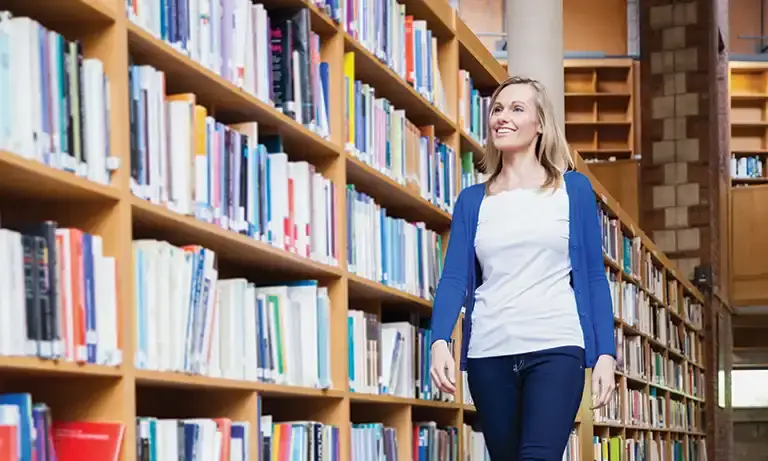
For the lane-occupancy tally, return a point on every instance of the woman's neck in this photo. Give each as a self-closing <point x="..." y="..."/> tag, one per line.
<point x="520" y="169"/>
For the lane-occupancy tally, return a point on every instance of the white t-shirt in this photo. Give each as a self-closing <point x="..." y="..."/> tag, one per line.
<point x="525" y="302"/>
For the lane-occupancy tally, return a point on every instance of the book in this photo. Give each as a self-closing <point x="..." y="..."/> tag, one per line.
<point x="30" y="431"/>
<point x="403" y="255"/>
<point x="189" y="320"/>
<point x="389" y="357"/>
<point x="214" y="439"/>
<point x="238" y="179"/>
<point x="57" y="109"/>
<point x="59" y="295"/>
<point x="472" y="109"/>
<point x="380" y="135"/>
<point x="402" y="42"/>
<point x="373" y="442"/>
<point x="272" y="54"/>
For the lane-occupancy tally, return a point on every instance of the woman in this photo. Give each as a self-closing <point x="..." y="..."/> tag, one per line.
<point x="525" y="260"/>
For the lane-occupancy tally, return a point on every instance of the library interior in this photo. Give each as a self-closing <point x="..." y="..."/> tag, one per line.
<point x="379" y="108"/>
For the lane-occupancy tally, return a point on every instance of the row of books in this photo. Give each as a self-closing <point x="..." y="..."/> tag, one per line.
<point x="380" y="135"/>
<point x="686" y="342"/>
<point x="611" y="228"/>
<point x="272" y="54"/>
<point x="466" y="395"/>
<point x="397" y="253"/>
<point x="222" y="439"/>
<point x="469" y="174"/>
<point x="475" y="448"/>
<point x="644" y="448"/>
<point x="373" y="442"/>
<point x="610" y="413"/>
<point x="643" y="409"/>
<point x="693" y="312"/>
<point x="404" y="44"/>
<point x="189" y="320"/>
<point x="56" y="100"/>
<point x="632" y="256"/>
<point x="391" y="358"/>
<point x="639" y="360"/>
<point x="628" y="252"/>
<point x="614" y="286"/>
<point x="472" y="109"/>
<point x="376" y="442"/>
<point x="644" y="314"/>
<point x="431" y="442"/>
<point x="615" y="242"/>
<point x="168" y="439"/>
<point x="630" y="355"/>
<point x="665" y="371"/>
<point x="654" y="277"/>
<point x="238" y="179"/>
<point x="636" y="308"/>
<point x="30" y="432"/>
<point x="58" y="297"/>
<point x="573" y="448"/>
<point x="751" y="167"/>
<point x="684" y="415"/>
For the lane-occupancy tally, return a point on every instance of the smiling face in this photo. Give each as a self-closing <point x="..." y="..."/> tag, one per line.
<point x="514" y="120"/>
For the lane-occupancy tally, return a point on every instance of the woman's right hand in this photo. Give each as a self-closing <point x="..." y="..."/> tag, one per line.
<point x="443" y="369"/>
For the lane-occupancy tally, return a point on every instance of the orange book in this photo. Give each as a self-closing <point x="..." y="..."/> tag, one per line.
<point x="224" y="426"/>
<point x="77" y="289"/>
<point x="409" y="71"/>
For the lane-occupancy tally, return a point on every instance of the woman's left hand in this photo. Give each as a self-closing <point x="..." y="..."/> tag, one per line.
<point x="603" y="380"/>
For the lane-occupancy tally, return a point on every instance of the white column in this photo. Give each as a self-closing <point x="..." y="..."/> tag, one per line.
<point x="535" y="46"/>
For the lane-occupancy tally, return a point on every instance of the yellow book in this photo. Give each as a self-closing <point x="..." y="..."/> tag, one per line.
<point x="349" y="81"/>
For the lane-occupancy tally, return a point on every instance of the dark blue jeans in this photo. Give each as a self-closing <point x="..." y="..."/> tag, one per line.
<point x="526" y="404"/>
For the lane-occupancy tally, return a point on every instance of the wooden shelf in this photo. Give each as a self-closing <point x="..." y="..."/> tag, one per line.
<point x="161" y="223"/>
<point x="22" y="178"/>
<point x="599" y="107"/>
<point x="83" y="12"/>
<point x="475" y="58"/>
<point x="399" y="199"/>
<point x="363" y="289"/>
<point x="19" y="366"/>
<point x="748" y="87"/>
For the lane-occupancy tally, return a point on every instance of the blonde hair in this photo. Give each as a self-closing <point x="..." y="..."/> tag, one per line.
<point x="552" y="149"/>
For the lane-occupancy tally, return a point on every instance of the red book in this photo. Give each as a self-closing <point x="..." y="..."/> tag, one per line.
<point x="94" y="441"/>
<point x="9" y="450"/>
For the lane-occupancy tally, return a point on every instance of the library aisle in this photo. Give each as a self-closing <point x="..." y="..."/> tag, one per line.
<point x="223" y="223"/>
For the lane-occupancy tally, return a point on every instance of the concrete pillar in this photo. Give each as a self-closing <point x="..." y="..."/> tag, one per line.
<point x="535" y="46"/>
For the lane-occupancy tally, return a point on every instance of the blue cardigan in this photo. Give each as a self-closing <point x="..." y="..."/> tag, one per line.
<point x="462" y="274"/>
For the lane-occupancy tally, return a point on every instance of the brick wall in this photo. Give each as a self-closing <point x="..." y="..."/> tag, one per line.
<point x="750" y="434"/>
<point x="680" y="162"/>
<point x="684" y="175"/>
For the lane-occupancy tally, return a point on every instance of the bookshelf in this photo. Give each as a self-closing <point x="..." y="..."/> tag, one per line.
<point x="167" y="238"/>
<point x="600" y="122"/>
<point x="658" y="315"/>
<point x="599" y="108"/>
<point x="749" y="182"/>
<point x="749" y="122"/>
